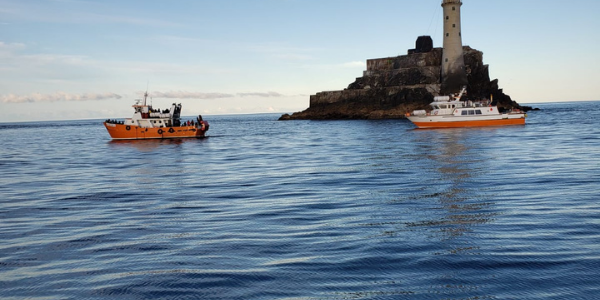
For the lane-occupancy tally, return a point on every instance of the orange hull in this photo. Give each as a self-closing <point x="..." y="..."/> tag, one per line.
<point x="476" y="123"/>
<point x="130" y="132"/>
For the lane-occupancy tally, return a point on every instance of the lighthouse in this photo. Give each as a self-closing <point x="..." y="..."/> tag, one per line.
<point x="454" y="76"/>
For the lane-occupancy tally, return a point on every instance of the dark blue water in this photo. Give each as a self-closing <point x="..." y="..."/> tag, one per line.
<point x="263" y="209"/>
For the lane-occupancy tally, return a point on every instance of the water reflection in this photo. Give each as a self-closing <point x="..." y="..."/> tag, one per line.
<point x="453" y="205"/>
<point x="458" y="198"/>
<point x="150" y="144"/>
<point x="151" y="164"/>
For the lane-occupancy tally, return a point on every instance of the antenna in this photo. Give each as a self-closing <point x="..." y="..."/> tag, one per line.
<point x="434" y="17"/>
<point x="146" y="93"/>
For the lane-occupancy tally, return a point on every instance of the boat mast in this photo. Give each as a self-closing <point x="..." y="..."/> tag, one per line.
<point x="462" y="92"/>
<point x="146" y="93"/>
<point x="145" y="96"/>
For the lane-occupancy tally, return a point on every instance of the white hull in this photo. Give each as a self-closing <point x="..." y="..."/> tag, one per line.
<point x="451" y="121"/>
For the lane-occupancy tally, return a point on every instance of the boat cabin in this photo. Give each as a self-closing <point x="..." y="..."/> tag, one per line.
<point x="147" y="117"/>
<point x="445" y="108"/>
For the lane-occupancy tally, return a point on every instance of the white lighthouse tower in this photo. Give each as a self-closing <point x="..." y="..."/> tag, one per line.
<point x="454" y="76"/>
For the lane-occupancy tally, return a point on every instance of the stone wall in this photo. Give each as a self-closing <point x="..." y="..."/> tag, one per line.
<point x="348" y="95"/>
<point x="429" y="59"/>
<point x="393" y="86"/>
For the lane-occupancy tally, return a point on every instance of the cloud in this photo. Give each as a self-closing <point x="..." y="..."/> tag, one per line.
<point x="58" y="96"/>
<point x="11" y="46"/>
<point x="200" y="95"/>
<point x="190" y="95"/>
<point x="264" y="95"/>
<point x="76" y="12"/>
<point x="62" y="96"/>
<point x="283" y="52"/>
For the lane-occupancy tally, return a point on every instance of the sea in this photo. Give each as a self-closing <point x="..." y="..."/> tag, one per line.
<point x="267" y="209"/>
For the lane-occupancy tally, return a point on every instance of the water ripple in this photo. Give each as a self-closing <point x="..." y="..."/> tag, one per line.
<point x="304" y="210"/>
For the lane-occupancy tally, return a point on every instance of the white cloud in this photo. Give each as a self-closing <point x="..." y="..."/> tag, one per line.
<point x="282" y="51"/>
<point x="190" y="95"/>
<point x="55" y="97"/>
<point x="77" y="12"/>
<point x="62" y="96"/>
<point x="11" y="47"/>
<point x="19" y="67"/>
<point x="202" y="95"/>
<point x="265" y="95"/>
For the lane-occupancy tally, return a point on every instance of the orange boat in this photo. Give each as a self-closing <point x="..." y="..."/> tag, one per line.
<point x="447" y="113"/>
<point x="149" y="123"/>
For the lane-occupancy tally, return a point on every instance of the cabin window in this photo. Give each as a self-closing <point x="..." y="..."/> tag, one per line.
<point x="471" y="112"/>
<point x="478" y="111"/>
<point x="464" y="113"/>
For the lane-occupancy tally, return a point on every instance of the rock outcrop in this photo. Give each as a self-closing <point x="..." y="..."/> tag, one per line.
<point x="393" y="86"/>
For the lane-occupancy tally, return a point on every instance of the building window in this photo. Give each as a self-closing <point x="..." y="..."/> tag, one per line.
<point x="447" y="17"/>
<point x="446" y="60"/>
<point x="453" y="25"/>
<point x="459" y="34"/>
<point x="447" y="34"/>
<point x="453" y="8"/>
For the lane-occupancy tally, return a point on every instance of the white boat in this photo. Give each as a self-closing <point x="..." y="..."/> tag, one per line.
<point x="451" y="112"/>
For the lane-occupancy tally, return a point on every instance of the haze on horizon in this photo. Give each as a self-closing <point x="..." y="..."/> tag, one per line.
<point x="90" y="59"/>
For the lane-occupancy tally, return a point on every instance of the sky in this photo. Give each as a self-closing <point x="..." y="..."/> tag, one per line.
<point x="90" y="59"/>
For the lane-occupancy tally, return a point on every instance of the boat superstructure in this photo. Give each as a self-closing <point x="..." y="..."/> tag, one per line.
<point x="451" y="111"/>
<point x="150" y="123"/>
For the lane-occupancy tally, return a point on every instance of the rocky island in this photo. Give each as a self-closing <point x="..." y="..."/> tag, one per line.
<point x="394" y="86"/>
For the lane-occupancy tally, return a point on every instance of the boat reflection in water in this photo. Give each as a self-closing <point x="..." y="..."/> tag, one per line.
<point x="453" y="205"/>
